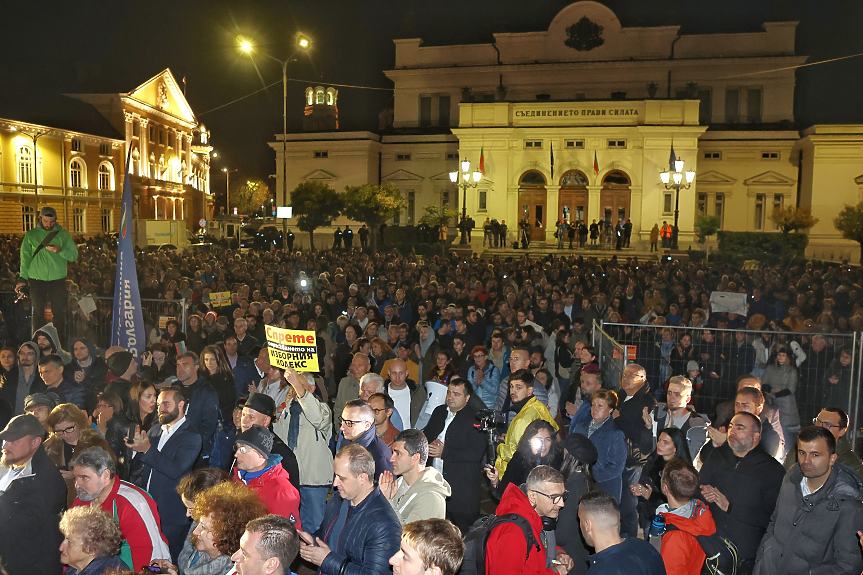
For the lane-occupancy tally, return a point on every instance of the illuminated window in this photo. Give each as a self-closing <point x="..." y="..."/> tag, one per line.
<point x="310" y="97"/>
<point x="319" y="96"/>
<point x="107" y="220"/>
<point x="760" y="200"/>
<point x="76" y="173"/>
<point x="78" y="220"/>
<point x="25" y="165"/>
<point x="106" y="180"/>
<point x="28" y="218"/>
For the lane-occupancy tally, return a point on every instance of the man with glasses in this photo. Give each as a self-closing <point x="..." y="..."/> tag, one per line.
<point x="836" y="422"/>
<point x="508" y="551"/>
<point x="357" y="426"/>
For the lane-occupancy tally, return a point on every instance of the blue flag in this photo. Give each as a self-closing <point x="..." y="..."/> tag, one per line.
<point x="127" y="329"/>
<point x="672" y="159"/>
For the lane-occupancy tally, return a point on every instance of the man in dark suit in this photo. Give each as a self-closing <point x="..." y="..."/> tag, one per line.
<point x="202" y="403"/>
<point x="167" y="453"/>
<point x="460" y="460"/>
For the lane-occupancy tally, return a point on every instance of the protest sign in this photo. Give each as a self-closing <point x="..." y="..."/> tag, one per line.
<point x="292" y="348"/>
<point x="220" y="299"/>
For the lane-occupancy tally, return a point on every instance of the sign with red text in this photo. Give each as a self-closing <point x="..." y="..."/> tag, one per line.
<point x="292" y="348"/>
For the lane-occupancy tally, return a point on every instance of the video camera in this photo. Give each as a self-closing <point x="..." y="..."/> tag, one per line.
<point x="489" y="420"/>
<point x="21" y="293"/>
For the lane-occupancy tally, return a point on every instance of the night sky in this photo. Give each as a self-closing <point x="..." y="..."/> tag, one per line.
<point x="54" y="46"/>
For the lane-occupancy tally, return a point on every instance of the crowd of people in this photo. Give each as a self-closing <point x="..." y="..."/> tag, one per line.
<point x="442" y="382"/>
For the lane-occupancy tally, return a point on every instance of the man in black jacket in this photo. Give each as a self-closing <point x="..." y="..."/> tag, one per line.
<point x="358" y="427"/>
<point x="634" y="419"/>
<point x="32" y="496"/>
<point x="202" y="401"/>
<point x="86" y="367"/>
<point x="456" y="449"/>
<point x="23" y="379"/>
<point x="741" y="482"/>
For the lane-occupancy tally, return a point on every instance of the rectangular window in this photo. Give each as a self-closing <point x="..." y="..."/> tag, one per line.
<point x="78" y="220"/>
<point x="667" y="204"/>
<point x="105" y="149"/>
<point x="753" y="105"/>
<point x="619" y="144"/>
<point x="533" y="144"/>
<point x="760" y="201"/>
<point x="719" y="209"/>
<point x="136" y="129"/>
<point x="425" y="111"/>
<point x="732" y="106"/>
<point x="705" y="107"/>
<point x="170" y="139"/>
<point x="107" y="220"/>
<point x="483" y="200"/>
<point x="769" y="155"/>
<point x="452" y="155"/>
<point x="397" y="219"/>
<point x="152" y="134"/>
<point x="403" y="157"/>
<point x="321" y="154"/>
<point x="712" y="155"/>
<point x="76" y="145"/>
<point x="412" y="204"/>
<point x="28" y="218"/>
<point x="778" y="203"/>
<point x="701" y="205"/>
<point x="575" y="144"/>
<point x="443" y="110"/>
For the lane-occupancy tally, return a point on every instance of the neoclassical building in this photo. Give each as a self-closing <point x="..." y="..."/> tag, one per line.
<point x="579" y="120"/>
<point x="71" y="152"/>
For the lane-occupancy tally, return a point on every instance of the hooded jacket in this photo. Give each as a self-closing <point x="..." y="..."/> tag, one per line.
<point x="46" y="265"/>
<point x="816" y="534"/>
<point x="506" y="549"/>
<point x="313" y="454"/>
<point x="680" y="550"/>
<point x="531" y="411"/>
<point x="49" y="331"/>
<point x="275" y="489"/>
<point x="425" y="499"/>
<point x="94" y="374"/>
<point x="9" y="381"/>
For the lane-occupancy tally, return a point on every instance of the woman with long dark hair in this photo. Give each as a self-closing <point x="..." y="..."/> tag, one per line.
<point x="142" y="409"/>
<point x="670" y="443"/>
<point x="216" y="369"/>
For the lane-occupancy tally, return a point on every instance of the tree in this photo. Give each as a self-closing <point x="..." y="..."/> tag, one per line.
<point x="373" y="205"/>
<point x="792" y="218"/>
<point x="249" y="197"/>
<point x="849" y="223"/>
<point x="317" y="205"/>
<point x="706" y="226"/>
<point x="437" y="216"/>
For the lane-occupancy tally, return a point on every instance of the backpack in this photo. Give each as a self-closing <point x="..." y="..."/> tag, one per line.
<point x="476" y="539"/>
<point x="721" y="553"/>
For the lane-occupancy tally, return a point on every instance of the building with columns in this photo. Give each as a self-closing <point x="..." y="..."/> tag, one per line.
<point x="578" y="121"/>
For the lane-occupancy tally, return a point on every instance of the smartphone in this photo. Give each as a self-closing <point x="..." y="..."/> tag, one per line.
<point x="151" y="569"/>
<point x="131" y="438"/>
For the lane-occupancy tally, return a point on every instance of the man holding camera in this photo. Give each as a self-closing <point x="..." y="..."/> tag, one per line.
<point x="45" y="251"/>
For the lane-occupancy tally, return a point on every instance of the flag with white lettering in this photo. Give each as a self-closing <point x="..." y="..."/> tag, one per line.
<point x="127" y="326"/>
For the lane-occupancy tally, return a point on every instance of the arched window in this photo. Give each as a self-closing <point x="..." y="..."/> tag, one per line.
<point x="331" y="97"/>
<point x="319" y="96"/>
<point x="25" y="165"/>
<point x="532" y="178"/>
<point x="106" y="176"/>
<point x="616" y="177"/>
<point x="573" y="179"/>
<point x="310" y="96"/>
<point x="76" y="173"/>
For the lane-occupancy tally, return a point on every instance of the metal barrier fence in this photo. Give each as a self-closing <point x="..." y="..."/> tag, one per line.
<point x="611" y="357"/>
<point x="88" y="317"/>
<point x="827" y="365"/>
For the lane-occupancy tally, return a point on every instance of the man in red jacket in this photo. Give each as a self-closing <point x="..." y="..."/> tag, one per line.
<point x="540" y="504"/>
<point x="261" y="471"/>
<point x="98" y="485"/>
<point x="680" y="551"/>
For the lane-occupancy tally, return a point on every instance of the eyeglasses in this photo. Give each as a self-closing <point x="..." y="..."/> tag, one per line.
<point x="349" y="423"/>
<point x="65" y="431"/>
<point x="820" y="423"/>
<point x="244" y="449"/>
<point x="479" y="355"/>
<point x="555" y="499"/>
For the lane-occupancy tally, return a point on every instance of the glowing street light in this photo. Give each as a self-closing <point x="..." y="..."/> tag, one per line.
<point x="675" y="181"/>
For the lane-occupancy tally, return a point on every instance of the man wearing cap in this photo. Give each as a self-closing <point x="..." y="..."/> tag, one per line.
<point x="32" y="496"/>
<point x="45" y="251"/>
<point x="260" y="409"/>
<point x="258" y="468"/>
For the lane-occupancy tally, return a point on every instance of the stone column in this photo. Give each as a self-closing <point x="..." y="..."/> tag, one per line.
<point x="187" y="138"/>
<point x="593" y="207"/>
<point x="143" y="142"/>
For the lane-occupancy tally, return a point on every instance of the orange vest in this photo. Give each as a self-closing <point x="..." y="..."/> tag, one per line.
<point x="665" y="232"/>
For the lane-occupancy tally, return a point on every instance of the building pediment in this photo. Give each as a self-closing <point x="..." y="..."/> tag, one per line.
<point x="163" y="93"/>
<point x="403" y="176"/>
<point x="770" y="178"/>
<point x="319" y="176"/>
<point x="715" y="178"/>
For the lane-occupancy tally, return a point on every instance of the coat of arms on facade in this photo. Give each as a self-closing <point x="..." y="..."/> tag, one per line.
<point x="584" y="35"/>
<point x="163" y="96"/>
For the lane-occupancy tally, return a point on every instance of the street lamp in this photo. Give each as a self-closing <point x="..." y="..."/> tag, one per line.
<point x="674" y="180"/>
<point x="303" y="43"/>
<point x="228" y="189"/>
<point x="467" y="180"/>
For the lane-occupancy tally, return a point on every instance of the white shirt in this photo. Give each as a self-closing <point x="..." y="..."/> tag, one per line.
<point x="438" y="461"/>
<point x="167" y="433"/>
<point x="804" y="487"/>
<point x="402" y="399"/>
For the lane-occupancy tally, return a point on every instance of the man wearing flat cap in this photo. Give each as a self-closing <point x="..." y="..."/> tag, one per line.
<point x="32" y="496"/>
<point x="45" y="251"/>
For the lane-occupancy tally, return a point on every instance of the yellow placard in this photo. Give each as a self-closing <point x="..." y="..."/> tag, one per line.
<point x="751" y="265"/>
<point x="164" y="319"/>
<point x="220" y="299"/>
<point x="292" y="348"/>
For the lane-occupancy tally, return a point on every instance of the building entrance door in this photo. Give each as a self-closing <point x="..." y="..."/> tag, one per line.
<point x="573" y="196"/>
<point x="532" y="204"/>
<point x="615" y="198"/>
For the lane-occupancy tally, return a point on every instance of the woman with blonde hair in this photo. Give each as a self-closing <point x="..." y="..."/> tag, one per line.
<point x="70" y="433"/>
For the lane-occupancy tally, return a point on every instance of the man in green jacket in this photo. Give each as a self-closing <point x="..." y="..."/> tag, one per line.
<point x="45" y="251"/>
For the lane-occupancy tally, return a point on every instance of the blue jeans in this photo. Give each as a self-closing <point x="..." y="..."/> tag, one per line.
<point x="313" y="501"/>
<point x="629" y="503"/>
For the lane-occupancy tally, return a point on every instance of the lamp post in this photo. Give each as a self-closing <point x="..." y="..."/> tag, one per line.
<point x="673" y="179"/>
<point x="228" y="189"/>
<point x="303" y="43"/>
<point x="467" y="180"/>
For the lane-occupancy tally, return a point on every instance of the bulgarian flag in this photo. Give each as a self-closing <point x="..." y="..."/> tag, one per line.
<point x="482" y="160"/>
<point x="552" y="161"/>
<point x="595" y="164"/>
